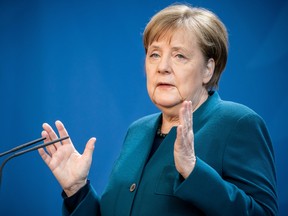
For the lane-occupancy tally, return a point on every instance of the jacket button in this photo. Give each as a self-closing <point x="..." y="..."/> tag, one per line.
<point x="132" y="187"/>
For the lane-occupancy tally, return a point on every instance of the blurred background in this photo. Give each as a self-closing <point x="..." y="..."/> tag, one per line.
<point x="82" y="62"/>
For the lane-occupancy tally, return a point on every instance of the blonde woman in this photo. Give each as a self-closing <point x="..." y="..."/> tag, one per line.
<point x="199" y="156"/>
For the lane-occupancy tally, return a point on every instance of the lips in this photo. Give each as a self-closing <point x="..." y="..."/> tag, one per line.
<point x="164" y="84"/>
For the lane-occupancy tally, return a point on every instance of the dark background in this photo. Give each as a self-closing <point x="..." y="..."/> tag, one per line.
<point x="82" y="62"/>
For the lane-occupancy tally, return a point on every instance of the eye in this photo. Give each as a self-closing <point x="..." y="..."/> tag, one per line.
<point x="154" y="55"/>
<point x="180" y="56"/>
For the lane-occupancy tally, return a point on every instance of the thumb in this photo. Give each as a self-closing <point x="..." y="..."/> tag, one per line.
<point x="89" y="149"/>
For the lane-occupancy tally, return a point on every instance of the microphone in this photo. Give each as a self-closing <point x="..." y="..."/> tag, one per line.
<point x="26" y="150"/>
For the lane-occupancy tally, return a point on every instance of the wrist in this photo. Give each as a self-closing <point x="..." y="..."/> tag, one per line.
<point x="74" y="188"/>
<point x="188" y="169"/>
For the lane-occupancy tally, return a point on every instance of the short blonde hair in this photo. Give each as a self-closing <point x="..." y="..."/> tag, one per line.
<point x="210" y="31"/>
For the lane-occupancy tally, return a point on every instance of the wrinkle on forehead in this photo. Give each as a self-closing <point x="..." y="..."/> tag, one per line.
<point x="168" y="35"/>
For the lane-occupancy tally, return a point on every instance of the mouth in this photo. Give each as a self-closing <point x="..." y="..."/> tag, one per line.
<point x="163" y="84"/>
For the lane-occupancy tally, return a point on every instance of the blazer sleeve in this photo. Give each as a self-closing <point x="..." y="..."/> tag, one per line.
<point x="247" y="184"/>
<point x="88" y="206"/>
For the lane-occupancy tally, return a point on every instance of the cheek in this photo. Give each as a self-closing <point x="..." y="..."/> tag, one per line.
<point x="189" y="84"/>
<point x="149" y="75"/>
<point x="150" y="85"/>
<point x="148" y="68"/>
<point x="149" y="82"/>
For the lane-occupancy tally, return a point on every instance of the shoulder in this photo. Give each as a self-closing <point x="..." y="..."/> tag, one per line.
<point x="238" y="117"/>
<point x="224" y="112"/>
<point x="231" y="107"/>
<point x="235" y="111"/>
<point x="148" y="121"/>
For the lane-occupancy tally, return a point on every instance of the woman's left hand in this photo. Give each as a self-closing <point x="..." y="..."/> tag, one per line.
<point x="184" y="154"/>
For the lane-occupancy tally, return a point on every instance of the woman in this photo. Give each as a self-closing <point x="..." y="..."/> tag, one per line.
<point x="199" y="156"/>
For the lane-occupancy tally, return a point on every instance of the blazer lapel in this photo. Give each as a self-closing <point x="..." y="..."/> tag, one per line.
<point x="138" y="143"/>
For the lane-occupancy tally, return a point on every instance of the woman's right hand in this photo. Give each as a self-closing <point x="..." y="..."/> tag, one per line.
<point x="68" y="166"/>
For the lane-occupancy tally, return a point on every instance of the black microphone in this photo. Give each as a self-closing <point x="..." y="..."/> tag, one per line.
<point x="26" y="150"/>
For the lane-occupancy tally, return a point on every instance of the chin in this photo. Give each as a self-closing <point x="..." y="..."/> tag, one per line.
<point x="166" y="103"/>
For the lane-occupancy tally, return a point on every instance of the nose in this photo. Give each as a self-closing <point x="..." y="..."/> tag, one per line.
<point x="164" y="65"/>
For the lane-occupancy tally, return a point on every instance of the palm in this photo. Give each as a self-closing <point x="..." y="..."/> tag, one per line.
<point x="184" y="155"/>
<point x="68" y="166"/>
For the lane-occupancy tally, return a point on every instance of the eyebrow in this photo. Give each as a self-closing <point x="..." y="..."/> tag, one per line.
<point x="176" y="48"/>
<point x="173" y="48"/>
<point x="153" y="47"/>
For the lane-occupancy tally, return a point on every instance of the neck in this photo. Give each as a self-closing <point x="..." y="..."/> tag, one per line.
<point x="199" y="99"/>
<point x="171" y="119"/>
<point x="168" y="122"/>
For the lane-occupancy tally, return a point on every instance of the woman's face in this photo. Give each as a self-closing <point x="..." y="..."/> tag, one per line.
<point x="176" y="70"/>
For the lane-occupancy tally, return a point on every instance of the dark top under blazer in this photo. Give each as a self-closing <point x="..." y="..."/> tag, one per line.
<point x="234" y="172"/>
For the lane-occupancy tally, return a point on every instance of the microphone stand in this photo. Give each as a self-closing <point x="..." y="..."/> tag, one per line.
<point x="26" y="150"/>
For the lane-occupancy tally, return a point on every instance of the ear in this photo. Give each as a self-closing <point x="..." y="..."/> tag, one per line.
<point x="209" y="71"/>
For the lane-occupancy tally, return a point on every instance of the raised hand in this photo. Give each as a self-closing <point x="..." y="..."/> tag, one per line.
<point x="184" y="154"/>
<point x="68" y="166"/>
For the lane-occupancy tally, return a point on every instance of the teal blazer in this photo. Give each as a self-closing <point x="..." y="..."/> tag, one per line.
<point x="234" y="172"/>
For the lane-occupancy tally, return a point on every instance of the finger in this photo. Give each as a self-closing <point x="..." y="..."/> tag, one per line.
<point x="179" y="137"/>
<point x="191" y="118"/>
<point x="46" y="158"/>
<point x="184" y="116"/>
<point x="89" y="149"/>
<point x="190" y="115"/>
<point x="50" y="131"/>
<point x="52" y="134"/>
<point x="62" y="132"/>
<point x="51" y="148"/>
<point x="187" y="119"/>
<point x="181" y="114"/>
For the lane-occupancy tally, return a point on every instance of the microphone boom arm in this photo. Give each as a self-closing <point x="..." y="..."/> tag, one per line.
<point x="26" y="150"/>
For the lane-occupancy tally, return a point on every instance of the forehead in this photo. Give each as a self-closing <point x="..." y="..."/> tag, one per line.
<point x="177" y="36"/>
